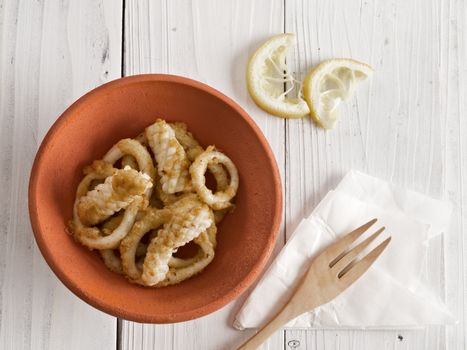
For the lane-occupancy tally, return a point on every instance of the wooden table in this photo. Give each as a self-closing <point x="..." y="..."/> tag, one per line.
<point x="407" y="125"/>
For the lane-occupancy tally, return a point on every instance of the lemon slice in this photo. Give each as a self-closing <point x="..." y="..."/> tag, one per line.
<point x="330" y="83"/>
<point x="267" y="75"/>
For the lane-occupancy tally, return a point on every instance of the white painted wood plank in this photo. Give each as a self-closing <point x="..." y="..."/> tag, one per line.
<point x="358" y="340"/>
<point x="209" y="41"/>
<point x="50" y="53"/>
<point x="453" y="89"/>
<point x="396" y="128"/>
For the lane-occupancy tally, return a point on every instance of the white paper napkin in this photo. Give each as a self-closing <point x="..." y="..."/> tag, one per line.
<point x="393" y="293"/>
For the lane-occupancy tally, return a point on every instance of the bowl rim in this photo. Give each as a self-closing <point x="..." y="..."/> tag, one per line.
<point x="117" y="311"/>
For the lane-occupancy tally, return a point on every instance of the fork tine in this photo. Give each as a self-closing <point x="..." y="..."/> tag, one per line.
<point x="359" y="268"/>
<point x="349" y="256"/>
<point x="337" y="249"/>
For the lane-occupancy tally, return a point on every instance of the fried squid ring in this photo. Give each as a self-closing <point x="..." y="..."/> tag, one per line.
<point x="184" y="269"/>
<point x="193" y="149"/>
<point x="93" y="237"/>
<point x="108" y="198"/>
<point x="194" y="265"/>
<point x="129" y="160"/>
<point x="172" y="163"/>
<point x="97" y="171"/>
<point x="138" y="152"/>
<point x="109" y="256"/>
<point x="152" y="220"/>
<point x="189" y="219"/>
<point x="220" y="199"/>
<point x="202" y="253"/>
<point x="114" y="262"/>
<point x="111" y="260"/>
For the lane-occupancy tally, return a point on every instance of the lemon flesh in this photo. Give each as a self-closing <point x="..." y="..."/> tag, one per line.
<point x="329" y="84"/>
<point x="267" y="74"/>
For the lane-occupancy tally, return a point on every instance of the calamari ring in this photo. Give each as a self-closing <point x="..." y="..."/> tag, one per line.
<point x="189" y="219"/>
<point x="165" y="198"/>
<point x="98" y="170"/>
<point x="220" y="199"/>
<point x="203" y="259"/>
<point x="109" y="256"/>
<point x="128" y="160"/>
<point x="114" y="194"/>
<point x="114" y="262"/>
<point x="138" y="152"/>
<point x="153" y="219"/>
<point x="202" y="253"/>
<point x="193" y="149"/>
<point x="92" y="237"/>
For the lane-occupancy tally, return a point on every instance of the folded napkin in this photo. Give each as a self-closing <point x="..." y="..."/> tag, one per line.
<point x="394" y="292"/>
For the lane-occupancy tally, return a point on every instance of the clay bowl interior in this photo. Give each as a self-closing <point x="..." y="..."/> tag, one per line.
<point x="123" y="108"/>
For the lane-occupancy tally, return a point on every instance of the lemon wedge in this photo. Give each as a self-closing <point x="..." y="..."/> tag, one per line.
<point x="330" y="83"/>
<point x="269" y="81"/>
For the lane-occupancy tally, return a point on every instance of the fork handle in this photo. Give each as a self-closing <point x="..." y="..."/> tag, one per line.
<point x="288" y="312"/>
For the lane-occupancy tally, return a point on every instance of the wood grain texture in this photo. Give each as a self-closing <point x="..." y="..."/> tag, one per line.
<point x="209" y="41"/>
<point x="453" y="101"/>
<point x="50" y="54"/>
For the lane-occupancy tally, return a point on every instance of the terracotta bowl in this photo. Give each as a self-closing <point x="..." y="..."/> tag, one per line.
<point x="123" y="108"/>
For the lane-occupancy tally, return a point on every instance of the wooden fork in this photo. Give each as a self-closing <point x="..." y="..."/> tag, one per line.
<point x="330" y="273"/>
